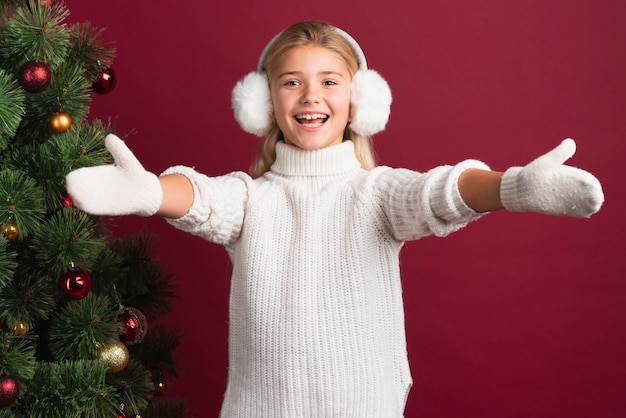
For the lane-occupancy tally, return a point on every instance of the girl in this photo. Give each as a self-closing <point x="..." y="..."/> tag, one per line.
<point x="314" y="234"/>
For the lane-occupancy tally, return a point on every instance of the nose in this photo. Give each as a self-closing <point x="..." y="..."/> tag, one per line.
<point x="310" y="94"/>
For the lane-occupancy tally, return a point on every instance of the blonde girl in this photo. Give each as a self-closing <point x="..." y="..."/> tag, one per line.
<point x="316" y="312"/>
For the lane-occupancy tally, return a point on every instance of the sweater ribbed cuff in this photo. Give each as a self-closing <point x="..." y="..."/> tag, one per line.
<point x="197" y="212"/>
<point x="445" y="198"/>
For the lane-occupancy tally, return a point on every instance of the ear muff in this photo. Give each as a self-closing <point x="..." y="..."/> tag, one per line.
<point x="370" y="97"/>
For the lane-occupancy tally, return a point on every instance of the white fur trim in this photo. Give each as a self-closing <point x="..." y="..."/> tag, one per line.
<point x="252" y="104"/>
<point x="371" y="103"/>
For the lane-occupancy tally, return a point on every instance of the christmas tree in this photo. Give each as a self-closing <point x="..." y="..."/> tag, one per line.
<point x="79" y="309"/>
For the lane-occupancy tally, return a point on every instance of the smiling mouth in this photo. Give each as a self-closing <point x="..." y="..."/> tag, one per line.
<point x="311" y="120"/>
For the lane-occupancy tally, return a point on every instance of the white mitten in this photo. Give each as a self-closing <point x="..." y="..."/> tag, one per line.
<point x="121" y="188"/>
<point x="548" y="186"/>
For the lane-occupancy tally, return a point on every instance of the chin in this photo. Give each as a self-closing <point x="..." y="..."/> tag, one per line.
<point x="311" y="145"/>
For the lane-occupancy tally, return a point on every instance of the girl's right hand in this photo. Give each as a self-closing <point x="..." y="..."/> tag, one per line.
<point x="121" y="188"/>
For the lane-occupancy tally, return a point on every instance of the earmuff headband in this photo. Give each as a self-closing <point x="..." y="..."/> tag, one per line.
<point x="353" y="43"/>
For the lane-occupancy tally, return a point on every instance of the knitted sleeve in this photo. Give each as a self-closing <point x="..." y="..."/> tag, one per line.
<point x="421" y="204"/>
<point x="217" y="211"/>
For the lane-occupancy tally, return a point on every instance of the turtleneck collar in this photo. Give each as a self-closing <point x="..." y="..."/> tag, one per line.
<point x="333" y="160"/>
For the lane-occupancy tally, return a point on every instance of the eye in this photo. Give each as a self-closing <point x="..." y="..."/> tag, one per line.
<point x="329" y="83"/>
<point x="291" y="83"/>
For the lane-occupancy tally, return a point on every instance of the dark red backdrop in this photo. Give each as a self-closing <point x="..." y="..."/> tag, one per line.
<point x="515" y="316"/>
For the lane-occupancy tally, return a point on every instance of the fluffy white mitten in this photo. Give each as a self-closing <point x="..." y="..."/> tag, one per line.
<point x="121" y="188"/>
<point x="548" y="186"/>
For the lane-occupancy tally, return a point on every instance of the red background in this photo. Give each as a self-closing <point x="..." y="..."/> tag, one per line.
<point x="518" y="315"/>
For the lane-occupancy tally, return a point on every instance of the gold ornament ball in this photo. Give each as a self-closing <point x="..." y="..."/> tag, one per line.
<point x="60" y="122"/>
<point x="10" y="231"/>
<point x="20" y="329"/>
<point x="115" y="355"/>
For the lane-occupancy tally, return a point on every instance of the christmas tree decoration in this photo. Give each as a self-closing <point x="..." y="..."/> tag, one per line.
<point x="34" y="76"/>
<point x="9" y="390"/>
<point x="20" y="328"/>
<point x="75" y="284"/>
<point x="122" y="414"/>
<point x="105" y="82"/>
<point x="160" y="385"/>
<point x="134" y="325"/>
<point x="10" y="230"/>
<point x="68" y="202"/>
<point x="60" y="122"/>
<point x="115" y="355"/>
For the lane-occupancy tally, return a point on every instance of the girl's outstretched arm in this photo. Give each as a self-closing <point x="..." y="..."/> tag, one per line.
<point x="126" y="188"/>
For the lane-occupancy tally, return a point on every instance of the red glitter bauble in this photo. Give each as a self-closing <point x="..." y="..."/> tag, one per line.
<point x="75" y="284"/>
<point x="105" y="82"/>
<point x="9" y="390"/>
<point x="34" y="76"/>
<point x="134" y="325"/>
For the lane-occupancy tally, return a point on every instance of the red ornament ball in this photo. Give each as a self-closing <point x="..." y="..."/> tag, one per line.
<point x="34" y="76"/>
<point x="68" y="202"/>
<point x="105" y="82"/>
<point x="75" y="284"/>
<point x="134" y="325"/>
<point x="9" y="390"/>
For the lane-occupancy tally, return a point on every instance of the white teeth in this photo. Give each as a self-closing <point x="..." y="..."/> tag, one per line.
<point x="311" y="116"/>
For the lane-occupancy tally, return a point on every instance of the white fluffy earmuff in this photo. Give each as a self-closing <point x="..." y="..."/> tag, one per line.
<point x="370" y="99"/>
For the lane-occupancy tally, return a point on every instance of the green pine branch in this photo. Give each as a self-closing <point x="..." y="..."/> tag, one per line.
<point x="35" y="32"/>
<point x="70" y="389"/>
<point x="11" y="107"/>
<point x="143" y="286"/>
<point x="157" y="349"/>
<point x="28" y="299"/>
<point x="7" y="262"/>
<point x="17" y="357"/>
<point x="134" y="387"/>
<point x="168" y="408"/>
<point x="68" y="238"/>
<point x="88" y="50"/>
<point x="21" y="201"/>
<point x="81" y="328"/>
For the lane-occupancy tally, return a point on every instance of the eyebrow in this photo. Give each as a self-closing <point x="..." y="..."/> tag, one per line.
<point x="291" y="73"/>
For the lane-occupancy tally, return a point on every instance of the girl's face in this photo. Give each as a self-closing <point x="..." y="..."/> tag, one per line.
<point x="310" y="90"/>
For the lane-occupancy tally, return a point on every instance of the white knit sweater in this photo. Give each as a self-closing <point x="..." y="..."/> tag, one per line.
<point x="316" y="315"/>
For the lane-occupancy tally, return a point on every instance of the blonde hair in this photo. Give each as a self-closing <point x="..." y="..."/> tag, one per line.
<point x="298" y="35"/>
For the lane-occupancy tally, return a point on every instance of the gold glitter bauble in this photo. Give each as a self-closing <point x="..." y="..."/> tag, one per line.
<point x="115" y="355"/>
